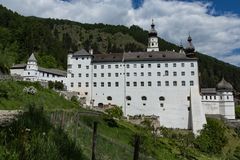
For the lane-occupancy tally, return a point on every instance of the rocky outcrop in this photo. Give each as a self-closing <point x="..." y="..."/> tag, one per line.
<point x="8" y="116"/>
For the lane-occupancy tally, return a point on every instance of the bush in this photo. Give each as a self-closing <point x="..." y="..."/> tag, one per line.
<point x="237" y="112"/>
<point x="50" y="84"/>
<point x="115" y="112"/>
<point x="212" y="138"/>
<point x="58" y="85"/>
<point x="74" y="99"/>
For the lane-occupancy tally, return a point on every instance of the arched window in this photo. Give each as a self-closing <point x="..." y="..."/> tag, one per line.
<point x="144" y="98"/>
<point x="109" y="98"/>
<point x="100" y="105"/>
<point x="128" y="98"/>
<point x="162" y="98"/>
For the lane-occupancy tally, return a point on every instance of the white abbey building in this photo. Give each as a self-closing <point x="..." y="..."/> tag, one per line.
<point x="32" y="72"/>
<point x="161" y="83"/>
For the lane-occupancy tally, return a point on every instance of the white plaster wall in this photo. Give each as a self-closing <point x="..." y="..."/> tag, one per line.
<point x="17" y="71"/>
<point x="84" y="61"/>
<point x="175" y="112"/>
<point x="100" y="94"/>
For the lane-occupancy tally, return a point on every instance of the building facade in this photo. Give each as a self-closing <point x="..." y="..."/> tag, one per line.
<point x="32" y="72"/>
<point x="161" y="83"/>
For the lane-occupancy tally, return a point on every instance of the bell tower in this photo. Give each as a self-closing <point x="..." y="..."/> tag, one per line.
<point x="152" y="39"/>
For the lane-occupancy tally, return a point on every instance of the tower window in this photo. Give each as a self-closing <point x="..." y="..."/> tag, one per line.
<point x="158" y="83"/>
<point x="109" y="98"/>
<point x="144" y="98"/>
<point x="162" y="98"/>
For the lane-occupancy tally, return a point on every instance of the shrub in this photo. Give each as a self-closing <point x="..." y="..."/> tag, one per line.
<point x="212" y="138"/>
<point x="74" y="99"/>
<point x="115" y="112"/>
<point x="50" y="84"/>
<point x="237" y="112"/>
<point x="30" y="90"/>
<point x="58" y="85"/>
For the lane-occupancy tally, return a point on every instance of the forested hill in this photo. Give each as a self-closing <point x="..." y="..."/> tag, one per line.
<point x="52" y="38"/>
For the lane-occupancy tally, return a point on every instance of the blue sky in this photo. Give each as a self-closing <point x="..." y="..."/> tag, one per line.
<point x="214" y="24"/>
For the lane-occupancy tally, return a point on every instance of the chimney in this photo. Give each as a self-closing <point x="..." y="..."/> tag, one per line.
<point x="91" y="51"/>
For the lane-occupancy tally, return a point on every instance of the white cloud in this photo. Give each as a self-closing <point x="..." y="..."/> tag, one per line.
<point x="213" y="35"/>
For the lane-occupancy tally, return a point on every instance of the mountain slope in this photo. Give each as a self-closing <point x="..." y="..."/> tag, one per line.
<point x="52" y="38"/>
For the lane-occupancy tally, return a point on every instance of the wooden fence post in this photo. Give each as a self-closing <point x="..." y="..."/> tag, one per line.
<point x="94" y="140"/>
<point x="136" y="147"/>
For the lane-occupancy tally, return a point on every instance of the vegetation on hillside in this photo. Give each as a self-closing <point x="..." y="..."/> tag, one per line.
<point x="13" y="96"/>
<point x="52" y="38"/>
<point x="38" y="134"/>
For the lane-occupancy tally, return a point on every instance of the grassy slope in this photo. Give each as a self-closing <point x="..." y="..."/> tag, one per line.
<point x="17" y="99"/>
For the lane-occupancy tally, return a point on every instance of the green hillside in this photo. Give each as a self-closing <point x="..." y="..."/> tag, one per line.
<point x="52" y="38"/>
<point x="54" y="128"/>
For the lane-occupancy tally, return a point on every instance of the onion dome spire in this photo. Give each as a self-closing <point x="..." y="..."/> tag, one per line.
<point x="190" y="47"/>
<point x="223" y="85"/>
<point x="152" y="32"/>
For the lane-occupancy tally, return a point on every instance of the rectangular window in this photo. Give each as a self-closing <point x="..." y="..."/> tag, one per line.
<point x="166" y="64"/>
<point x="183" y="83"/>
<point x="109" y="74"/>
<point x="174" y="65"/>
<point x="158" y="83"/>
<point x="116" y="74"/>
<point x="79" y="84"/>
<point x="142" y="65"/>
<point x="95" y="66"/>
<point x="116" y="84"/>
<point x="135" y="74"/>
<point x="102" y="84"/>
<point x="102" y="66"/>
<point x="182" y="64"/>
<point x="134" y="65"/>
<point x="174" y="73"/>
<point x="128" y="84"/>
<point x="166" y="73"/>
<point x="109" y="66"/>
<point x="158" y="65"/>
<point x="183" y="73"/>
<point x="86" y="84"/>
<point x="109" y="84"/>
<point x="142" y="74"/>
<point x="142" y="84"/>
<point x="127" y="65"/>
<point x="94" y="84"/>
<point x="102" y="74"/>
<point x="71" y="84"/>
<point x="149" y="65"/>
<point x="135" y="84"/>
<point x="69" y="66"/>
<point x="192" y="64"/>
<point x="79" y="75"/>
<point x="192" y="73"/>
<point x="191" y="83"/>
<point x="149" y="83"/>
<point x="166" y="83"/>
<point x="95" y="74"/>
<point x="149" y="74"/>
<point x="87" y="67"/>
<point x="116" y="66"/>
<point x="158" y="73"/>
<point x="79" y="66"/>
<point x="174" y="83"/>
<point x="72" y="75"/>
<point x="87" y="75"/>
